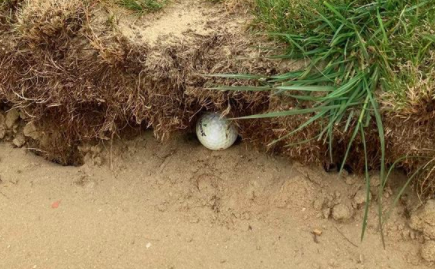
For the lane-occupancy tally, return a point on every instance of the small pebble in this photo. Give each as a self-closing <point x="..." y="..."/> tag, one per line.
<point x="342" y="212"/>
<point x="317" y="232"/>
<point x="326" y="213"/>
<point x="11" y="117"/>
<point x="360" y="198"/>
<point x="19" y="141"/>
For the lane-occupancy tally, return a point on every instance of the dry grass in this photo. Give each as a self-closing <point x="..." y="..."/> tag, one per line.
<point x="142" y="6"/>
<point x="409" y="126"/>
<point x="80" y="79"/>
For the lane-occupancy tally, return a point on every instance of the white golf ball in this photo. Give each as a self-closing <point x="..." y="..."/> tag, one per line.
<point x="214" y="132"/>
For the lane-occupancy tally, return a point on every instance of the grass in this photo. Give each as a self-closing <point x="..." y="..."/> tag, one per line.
<point x="354" y="50"/>
<point x="9" y="3"/>
<point x="143" y="6"/>
<point x="139" y="6"/>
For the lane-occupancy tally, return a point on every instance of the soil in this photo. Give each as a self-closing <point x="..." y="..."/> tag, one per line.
<point x="142" y="204"/>
<point x="180" y="22"/>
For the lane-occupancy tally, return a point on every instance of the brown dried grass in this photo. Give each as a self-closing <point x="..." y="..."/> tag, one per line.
<point x="80" y="79"/>
<point x="410" y="128"/>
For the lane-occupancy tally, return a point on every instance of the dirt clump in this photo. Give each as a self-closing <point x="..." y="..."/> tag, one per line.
<point x="360" y="198"/>
<point x="19" y="140"/>
<point x="428" y="251"/>
<point x="11" y="118"/>
<point x="423" y="220"/>
<point x="31" y="131"/>
<point x="11" y="127"/>
<point x="342" y="212"/>
<point x="318" y="203"/>
<point x="2" y="126"/>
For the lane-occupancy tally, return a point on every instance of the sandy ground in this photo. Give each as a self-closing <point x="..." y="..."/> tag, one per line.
<point x="178" y="205"/>
<point x="180" y="22"/>
<point x="142" y="204"/>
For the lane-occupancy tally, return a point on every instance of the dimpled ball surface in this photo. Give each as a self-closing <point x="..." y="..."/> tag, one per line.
<point x="214" y="132"/>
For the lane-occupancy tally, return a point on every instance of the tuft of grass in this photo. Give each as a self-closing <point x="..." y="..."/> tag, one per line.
<point x="143" y="6"/>
<point x="10" y="3"/>
<point x="353" y="48"/>
<point x="5" y="2"/>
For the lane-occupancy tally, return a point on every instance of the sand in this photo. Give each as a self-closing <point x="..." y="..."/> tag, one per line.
<point x="142" y="204"/>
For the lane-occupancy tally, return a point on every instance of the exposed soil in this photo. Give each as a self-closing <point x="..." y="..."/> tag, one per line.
<point x="181" y="21"/>
<point x="142" y="204"/>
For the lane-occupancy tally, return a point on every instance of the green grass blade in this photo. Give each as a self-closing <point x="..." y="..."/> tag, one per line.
<point x="307" y="88"/>
<point x="397" y="161"/>
<point x="349" y="119"/>
<point x="302" y="126"/>
<point x="300" y="142"/>
<point x="381" y="26"/>
<point x="236" y="76"/>
<point x="355" y="132"/>
<point x="382" y="176"/>
<point x="366" y="168"/>
<point x="337" y="13"/>
<point x="289" y="112"/>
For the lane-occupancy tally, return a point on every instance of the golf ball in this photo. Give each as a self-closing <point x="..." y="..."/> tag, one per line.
<point x="214" y="132"/>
